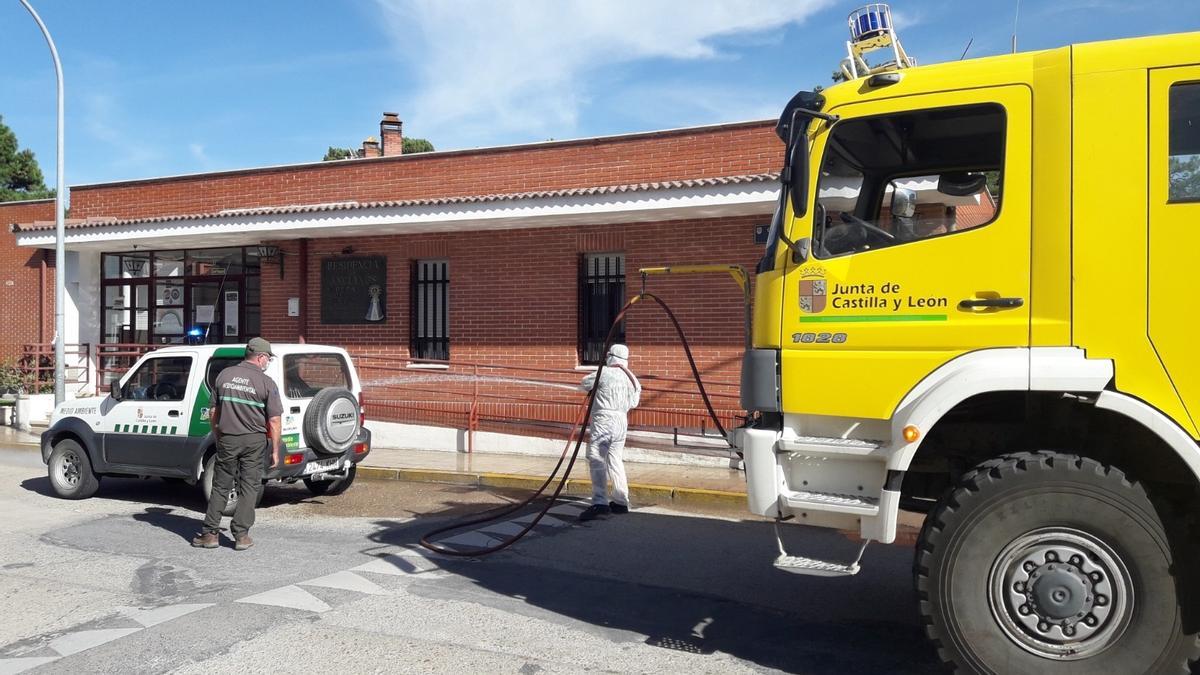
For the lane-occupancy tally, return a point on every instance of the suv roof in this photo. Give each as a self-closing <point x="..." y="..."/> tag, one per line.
<point x="278" y="348"/>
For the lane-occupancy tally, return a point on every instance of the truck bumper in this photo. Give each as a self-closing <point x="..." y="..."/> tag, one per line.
<point x="764" y="480"/>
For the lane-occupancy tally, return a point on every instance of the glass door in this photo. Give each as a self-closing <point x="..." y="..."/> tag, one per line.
<point x="215" y="311"/>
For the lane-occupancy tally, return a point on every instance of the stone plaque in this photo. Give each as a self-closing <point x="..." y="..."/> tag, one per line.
<point x="354" y="290"/>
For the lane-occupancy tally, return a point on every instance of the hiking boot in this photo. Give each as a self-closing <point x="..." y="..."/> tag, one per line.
<point x="595" y="511"/>
<point x="618" y="509"/>
<point x="243" y="542"/>
<point x="206" y="540"/>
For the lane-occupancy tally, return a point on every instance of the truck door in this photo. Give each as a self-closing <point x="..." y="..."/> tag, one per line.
<point x="148" y="427"/>
<point x="1174" y="231"/>
<point x="920" y="237"/>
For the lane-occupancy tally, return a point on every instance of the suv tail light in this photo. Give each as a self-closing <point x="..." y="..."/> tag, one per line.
<point x="362" y="411"/>
<point x="294" y="458"/>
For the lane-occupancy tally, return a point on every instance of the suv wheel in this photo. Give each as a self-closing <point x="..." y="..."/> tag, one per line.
<point x="70" y="471"/>
<point x="206" y="485"/>
<point x="331" y="487"/>
<point x="1051" y="563"/>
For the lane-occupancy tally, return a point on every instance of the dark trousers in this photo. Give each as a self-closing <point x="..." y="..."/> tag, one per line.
<point x="242" y="456"/>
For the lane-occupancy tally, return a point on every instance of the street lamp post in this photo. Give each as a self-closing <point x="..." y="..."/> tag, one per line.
<point x="60" y="380"/>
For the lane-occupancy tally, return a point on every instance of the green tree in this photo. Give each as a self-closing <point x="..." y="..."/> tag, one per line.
<point x="1184" y="177"/>
<point x="414" y="145"/>
<point x="20" y="175"/>
<point x="338" y="153"/>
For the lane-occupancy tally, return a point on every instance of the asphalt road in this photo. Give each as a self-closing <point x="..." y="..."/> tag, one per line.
<point x="338" y="584"/>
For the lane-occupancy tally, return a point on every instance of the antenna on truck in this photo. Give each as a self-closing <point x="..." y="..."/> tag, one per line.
<point x="1016" y="14"/>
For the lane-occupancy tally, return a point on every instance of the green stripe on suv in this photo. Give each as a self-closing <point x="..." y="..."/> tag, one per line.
<point x="144" y="429"/>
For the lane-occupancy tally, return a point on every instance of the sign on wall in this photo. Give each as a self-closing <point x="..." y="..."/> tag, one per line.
<point x="354" y="290"/>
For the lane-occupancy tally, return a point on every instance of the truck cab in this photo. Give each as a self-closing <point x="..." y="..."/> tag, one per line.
<point x="974" y="305"/>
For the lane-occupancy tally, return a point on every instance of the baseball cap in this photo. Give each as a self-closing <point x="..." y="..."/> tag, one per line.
<point x="259" y="346"/>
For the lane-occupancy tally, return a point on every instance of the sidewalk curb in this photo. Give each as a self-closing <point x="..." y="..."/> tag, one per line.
<point x="640" y="492"/>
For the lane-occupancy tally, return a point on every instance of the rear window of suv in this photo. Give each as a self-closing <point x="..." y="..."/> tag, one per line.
<point x="306" y="374"/>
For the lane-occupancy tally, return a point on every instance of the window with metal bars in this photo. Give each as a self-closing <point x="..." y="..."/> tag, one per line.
<point x="601" y="295"/>
<point x="430" y="309"/>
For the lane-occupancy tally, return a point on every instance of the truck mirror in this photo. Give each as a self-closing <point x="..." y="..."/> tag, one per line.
<point x="798" y="174"/>
<point x="114" y="389"/>
<point x="961" y="183"/>
<point x="904" y="202"/>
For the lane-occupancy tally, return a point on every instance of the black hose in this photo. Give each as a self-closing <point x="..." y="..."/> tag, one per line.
<point x="576" y="436"/>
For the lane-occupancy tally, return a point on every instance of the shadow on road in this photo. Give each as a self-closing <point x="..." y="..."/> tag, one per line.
<point x="170" y="493"/>
<point x="705" y="585"/>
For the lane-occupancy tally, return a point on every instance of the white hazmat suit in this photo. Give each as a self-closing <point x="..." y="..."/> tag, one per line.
<point x="618" y="393"/>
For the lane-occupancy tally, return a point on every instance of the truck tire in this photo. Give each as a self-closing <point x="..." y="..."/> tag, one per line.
<point x="331" y="423"/>
<point x="1051" y="563"/>
<point x="70" y="471"/>
<point x="206" y="484"/>
<point x="331" y="487"/>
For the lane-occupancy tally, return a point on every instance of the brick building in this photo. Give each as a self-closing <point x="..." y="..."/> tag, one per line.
<point x="26" y="282"/>
<point x="515" y="255"/>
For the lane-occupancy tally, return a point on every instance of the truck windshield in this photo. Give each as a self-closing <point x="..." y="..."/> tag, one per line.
<point x="892" y="179"/>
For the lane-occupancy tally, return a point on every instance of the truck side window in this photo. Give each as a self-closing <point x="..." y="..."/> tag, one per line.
<point x="163" y="379"/>
<point x="1183" y="159"/>
<point x="894" y="179"/>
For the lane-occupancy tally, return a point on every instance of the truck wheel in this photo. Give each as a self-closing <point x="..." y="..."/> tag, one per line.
<point x="1052" y="563"/>
<point x="206" y="482"/>
<point x="331" y="487"/>
<point x="70" y="471"/>
<point x="331" y="423"/>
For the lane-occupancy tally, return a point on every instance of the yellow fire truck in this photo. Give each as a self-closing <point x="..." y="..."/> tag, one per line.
<point x="977" y="302"/>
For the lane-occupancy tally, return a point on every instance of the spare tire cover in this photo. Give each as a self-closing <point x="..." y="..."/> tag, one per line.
<point x="331" y="423"/>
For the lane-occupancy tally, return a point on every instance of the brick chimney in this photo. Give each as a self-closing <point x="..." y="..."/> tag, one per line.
<point x="370" y="148"/>
<point x="391" y="137"/>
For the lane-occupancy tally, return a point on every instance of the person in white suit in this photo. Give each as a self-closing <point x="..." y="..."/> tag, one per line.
<point x="618" y="393"/>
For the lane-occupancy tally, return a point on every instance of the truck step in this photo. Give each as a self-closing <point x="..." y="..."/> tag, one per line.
<point x="798" y="564"/>
<point x="818" y="445"/>
<point x="830" y="502"/>
<point x="815" y="568"/>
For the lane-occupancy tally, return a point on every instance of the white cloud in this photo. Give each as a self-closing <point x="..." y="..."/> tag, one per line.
<point x="490" y="71"/>
<point x="197" y="150"/>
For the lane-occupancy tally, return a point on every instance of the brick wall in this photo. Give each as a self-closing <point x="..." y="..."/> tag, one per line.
<point x="514" y="294"/>
<point x="728" y="150"/>
<point x="21" y="281"/>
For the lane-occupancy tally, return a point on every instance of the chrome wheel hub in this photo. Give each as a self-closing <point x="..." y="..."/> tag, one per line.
<point x="69" y="469"/>
<point x="1061" y="593"/>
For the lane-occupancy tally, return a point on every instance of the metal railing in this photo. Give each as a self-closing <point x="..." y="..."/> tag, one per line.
<point x="527" y="400"/>
<point x="113" y="359"/>
<point x="36" y="365"/>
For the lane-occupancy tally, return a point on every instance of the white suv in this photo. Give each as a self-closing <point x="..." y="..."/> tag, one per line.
<point x="155" y="421"/>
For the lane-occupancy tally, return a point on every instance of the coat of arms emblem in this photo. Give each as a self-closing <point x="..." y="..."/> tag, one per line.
<point x="812" y="296"/>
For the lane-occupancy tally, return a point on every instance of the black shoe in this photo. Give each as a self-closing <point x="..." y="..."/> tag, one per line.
<point x="618" y="509"/>
<point x="595" y="511"/>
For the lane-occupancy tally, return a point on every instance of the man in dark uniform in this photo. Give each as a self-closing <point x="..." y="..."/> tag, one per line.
<point x="245" y="421"/>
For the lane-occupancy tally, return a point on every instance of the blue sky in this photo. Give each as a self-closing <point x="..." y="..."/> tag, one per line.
<point x="161" y="88"/>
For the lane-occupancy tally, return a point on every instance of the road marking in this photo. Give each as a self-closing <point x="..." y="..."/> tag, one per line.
<point x="568" y="509"/>
<point x="505" y="529"/>
<point x="20" y="665"/>
<point x="156" y="615"/>
<point x="73" y="643"/>
<point x="470" y="540"/>
<point x="292" y="596"/>
<point x="346" y="581"/>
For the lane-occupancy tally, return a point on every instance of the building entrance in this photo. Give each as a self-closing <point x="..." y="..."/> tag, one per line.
<point x="196" y="296"/>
